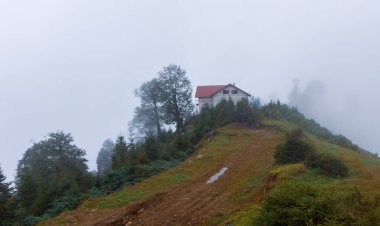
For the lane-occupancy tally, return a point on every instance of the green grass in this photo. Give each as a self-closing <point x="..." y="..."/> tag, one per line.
<point x="364" y="172"/>
<point x="243" y="217"/>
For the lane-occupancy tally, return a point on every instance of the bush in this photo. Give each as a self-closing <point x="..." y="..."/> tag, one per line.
<point x="299" y="203"/>
<point x="61" y="204"/>
<point x="328" y="165"/>
<point x="30" y="221"/>
<point x="294" y="149"/>
<point x="130" y="174"/>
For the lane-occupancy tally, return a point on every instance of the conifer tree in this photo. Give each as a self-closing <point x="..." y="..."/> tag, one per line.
<point x="120" y="151"/>
<point x="5" y="195"/>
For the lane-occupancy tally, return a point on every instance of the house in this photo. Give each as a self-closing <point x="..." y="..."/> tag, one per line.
<point x="212" y="95"/>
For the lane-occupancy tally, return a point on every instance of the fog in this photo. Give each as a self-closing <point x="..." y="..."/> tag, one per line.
<point x="73" y="65"/>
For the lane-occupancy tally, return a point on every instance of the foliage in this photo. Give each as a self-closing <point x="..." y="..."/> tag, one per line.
<point x="50" y="169"/>
<point x="299" y="203"/>
<point x="5" y="195"/>
<point x="63" y="203"/>
<point x="132" y="173"/>
<point x="283" y="111"/>
<point x="294" y="149"/>
<point x="148" y="115"/>
<point x="224" y="113"/>
<point x="151" y="147"/>
<point x="245" y="113"/>
<point x="119" y="154"/>
<point x="176" y="96"/>
<point x="328" y="164"/>
<point x="297" y="149"/>
<point x="104" y="159"/>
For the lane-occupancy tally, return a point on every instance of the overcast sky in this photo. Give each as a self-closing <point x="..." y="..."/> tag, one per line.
<point x="73" y="65"/>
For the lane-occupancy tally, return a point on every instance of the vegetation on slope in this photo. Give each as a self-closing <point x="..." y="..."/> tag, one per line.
<point x="244" y="189"/>
<point x="304" y="196"/>
<point x="230" y="144"/>
<point x="259" y="177"/>
<point x="305" y="203"/>
<point x="279" y="111"/>
<point x="298" y="149"/>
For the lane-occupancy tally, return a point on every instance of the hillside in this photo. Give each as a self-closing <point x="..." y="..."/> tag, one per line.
<point x="181" y="195"/>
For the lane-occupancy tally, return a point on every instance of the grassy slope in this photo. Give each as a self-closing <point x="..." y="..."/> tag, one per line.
<point x="250" y="176"/>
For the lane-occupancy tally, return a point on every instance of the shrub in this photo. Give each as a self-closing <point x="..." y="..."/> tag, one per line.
<point x="328" y="164"/>
<point x="295" y="204"/>
<point x="30" y="220"/>
<point x="299" y="203"/>
<point x="61" y="204"/>
<point x="294" y="149"/>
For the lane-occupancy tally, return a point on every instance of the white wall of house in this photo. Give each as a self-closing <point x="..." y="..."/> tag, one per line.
<point x="226" y="93"/>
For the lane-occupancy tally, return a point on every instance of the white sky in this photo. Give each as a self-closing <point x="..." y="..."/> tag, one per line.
<point x="73" y="64"/>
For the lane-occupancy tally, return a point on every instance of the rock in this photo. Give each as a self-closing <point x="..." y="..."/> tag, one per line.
<point x="199" y="156"/>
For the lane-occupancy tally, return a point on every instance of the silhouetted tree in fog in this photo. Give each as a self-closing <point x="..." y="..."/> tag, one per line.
<point x="148" y="115"/>
<point x="104" y="159"/>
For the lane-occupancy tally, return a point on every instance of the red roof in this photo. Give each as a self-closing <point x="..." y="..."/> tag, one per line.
<point x="207" y="91"/>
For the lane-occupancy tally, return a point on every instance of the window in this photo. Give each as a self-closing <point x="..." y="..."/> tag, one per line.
<point x="234" y="91"/>
<point x="226" y="92"/>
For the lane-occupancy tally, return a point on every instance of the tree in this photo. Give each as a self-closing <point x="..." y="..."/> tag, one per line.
<point x="151" y="148"/>
<point x="104" y="159"/>
<point x="5" y="195"/>
<point x="294" y="149"/>
<point x="119" y="154"/>
<point x="244" y="112"/>
<point x="175" y="93"/>
<point x="148" y="115"/>
<point x="225" y="112"/>
<point x="50" y="169"/>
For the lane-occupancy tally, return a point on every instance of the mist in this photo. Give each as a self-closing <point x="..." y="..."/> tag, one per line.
<point x="74" y="65"/>
<point x="343" y="109"/>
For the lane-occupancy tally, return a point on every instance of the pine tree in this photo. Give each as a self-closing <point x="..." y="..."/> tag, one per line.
<point x="150" y="147"/>
<point x="119" y="155"/>
<point x="5" y="195"/>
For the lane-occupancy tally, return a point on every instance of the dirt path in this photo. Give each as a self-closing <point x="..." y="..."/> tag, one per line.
<point x="197" y="202"/>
